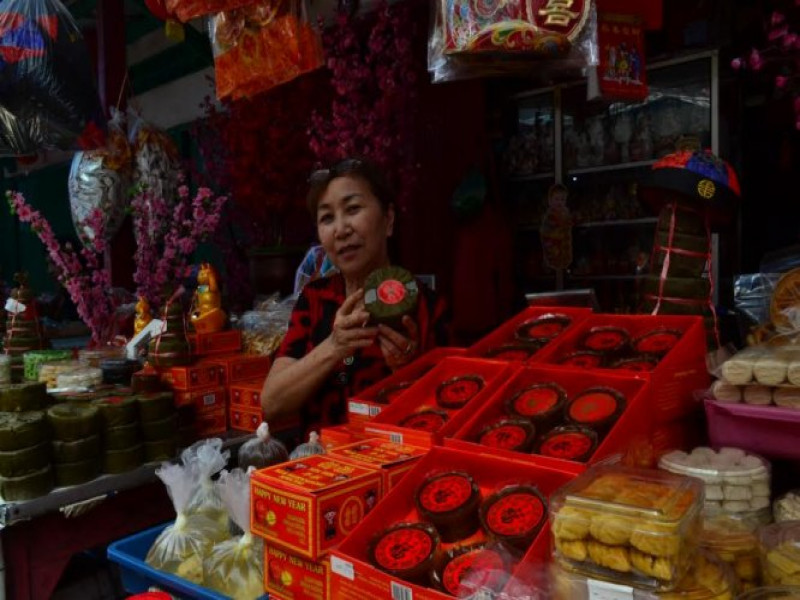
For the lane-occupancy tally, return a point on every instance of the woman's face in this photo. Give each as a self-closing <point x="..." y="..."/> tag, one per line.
<point x="353" y="227"/>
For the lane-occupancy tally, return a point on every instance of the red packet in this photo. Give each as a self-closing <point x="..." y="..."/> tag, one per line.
<point x="622" y="71"/>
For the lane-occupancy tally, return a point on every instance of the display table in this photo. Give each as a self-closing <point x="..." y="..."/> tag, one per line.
<point x="38" y="540"/>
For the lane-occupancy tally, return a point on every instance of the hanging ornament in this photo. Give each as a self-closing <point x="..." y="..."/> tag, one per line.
<point x="99" y="179"/>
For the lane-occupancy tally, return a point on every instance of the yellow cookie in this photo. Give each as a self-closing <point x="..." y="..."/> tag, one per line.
<point x="571" y="524"/>
<point x="653" y="566"/>
<point x="615" y="558"/>
<point x="572" y="550"/>
<point x="611" y="530"/>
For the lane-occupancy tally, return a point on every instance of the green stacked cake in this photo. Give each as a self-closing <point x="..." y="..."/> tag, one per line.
<point x="23" y="331"/>
<point x="76" y="444"/>
<point x="122" y="436"/>
<point x="159" y="421"/>
<point x="25" y="469"/>
<point x="171" y="347"/>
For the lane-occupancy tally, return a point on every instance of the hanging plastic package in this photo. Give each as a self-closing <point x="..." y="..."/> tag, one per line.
<point x="156" y="163"/>
<point x="262" y="451"/>
<point x="261" y="46"/>
<point x="235" y="567"/>
<point x="476" y="38"/>
<point x="99" y="179"/>
<point x="185" y="10"/>
<point x="207" y="458"/>
<point x="311" y="447"/>
<point x="48" y="99"/>
<point x="181" y="547"/>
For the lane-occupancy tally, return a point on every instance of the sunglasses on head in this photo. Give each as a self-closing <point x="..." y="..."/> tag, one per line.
<point x="341" y="168"/>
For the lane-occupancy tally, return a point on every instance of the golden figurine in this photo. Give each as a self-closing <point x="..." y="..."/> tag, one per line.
<point x="143" y="315"/>
<point x="207" y="315"/>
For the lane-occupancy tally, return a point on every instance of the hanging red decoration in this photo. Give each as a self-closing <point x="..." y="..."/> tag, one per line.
<point x="159" y="9"/>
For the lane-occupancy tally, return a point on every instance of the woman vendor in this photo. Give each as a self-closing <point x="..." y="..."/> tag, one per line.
<point x="331" y="352"/>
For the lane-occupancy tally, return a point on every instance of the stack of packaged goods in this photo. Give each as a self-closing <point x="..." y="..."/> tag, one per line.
<point x="25" y="453"/>
<point x="159" y="425"/>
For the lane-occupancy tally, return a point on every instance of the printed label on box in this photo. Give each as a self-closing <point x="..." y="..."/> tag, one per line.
<point x="602" y="590"/>
<point x="359" y="408"/>
<point x="291" y="576"/>
<point x="343" y="567"/>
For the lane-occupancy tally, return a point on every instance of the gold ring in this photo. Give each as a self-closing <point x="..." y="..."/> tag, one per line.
<point x="409" y="349"/>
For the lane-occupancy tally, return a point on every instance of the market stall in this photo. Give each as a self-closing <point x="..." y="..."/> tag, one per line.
<point x="619" y="450"/>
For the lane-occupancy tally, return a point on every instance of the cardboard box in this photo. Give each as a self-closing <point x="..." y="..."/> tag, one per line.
<point x="353" y="577"/>
<point x="205" y="399"/>
<point x="676" y="377"/>
<point x="505" y="334"/>
<point x="240" y="367"/>
<point x="221" y="342"/>
<point x="245" y="419"/>
<point x="392" y="460"/>
<point x="246" y="394"/>
<point x="368" y="404"/>
<point x="291" y="577"/>
<point x="310" y="505"/>
<point x="211" y="423"/>
<point x="192" y="377"/>
<point x="423" y="396"/>
<point x="340" y="435"/>
<point x="634" y="425"/>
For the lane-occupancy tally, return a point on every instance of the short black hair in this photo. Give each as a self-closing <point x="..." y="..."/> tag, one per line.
<point x="361" y="168"/>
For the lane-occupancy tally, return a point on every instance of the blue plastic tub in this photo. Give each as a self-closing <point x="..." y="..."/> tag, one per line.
<point x="137" y="576"/>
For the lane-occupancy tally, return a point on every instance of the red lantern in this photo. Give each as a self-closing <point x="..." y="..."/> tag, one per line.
<point x="158" y="8"/>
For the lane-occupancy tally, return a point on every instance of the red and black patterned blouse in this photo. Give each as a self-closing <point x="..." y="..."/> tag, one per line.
<point x="312" y="322"/>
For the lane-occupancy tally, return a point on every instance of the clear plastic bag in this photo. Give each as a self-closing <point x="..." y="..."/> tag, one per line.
<point x="262" y="451"/>
<point x="472" y="39"/>
<point x="207" y="459"/>
<point x="235" y="567"/>
<point x="309" y="448"/>
<point x="181" y="547"/>
<point x="264" y="328"/>
<point x="48" y="99"/>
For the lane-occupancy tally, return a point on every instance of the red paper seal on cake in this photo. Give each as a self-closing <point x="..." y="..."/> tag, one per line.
<point x="657" y="342"/>
<point x="606" y="340"/>
<point x="637" y="364"/>
<point x="569" y="443"/>
<point x="427" y="419"/>
<point x="596" y="407"/>
<point x="584" y="359"/>
<point x="456" y="392"/>
<point x="541" y="403"/>
<point x="513" y="352"/>
<point x="406" y="550"/>
<point x="466" y="569"/>
<point x="542" y="329"/>
<point x="508" y="434"/>
<point x="390" y="392"/>
<point x="450" y="501"/>
<point x="514" y="515"/>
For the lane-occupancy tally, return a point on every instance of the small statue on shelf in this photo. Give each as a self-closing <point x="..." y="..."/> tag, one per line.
<point x="207" y="315"/>
<point x="143" y="315"/>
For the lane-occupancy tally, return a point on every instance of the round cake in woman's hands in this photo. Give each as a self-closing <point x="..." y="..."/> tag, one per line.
<point x="390" y="293"/>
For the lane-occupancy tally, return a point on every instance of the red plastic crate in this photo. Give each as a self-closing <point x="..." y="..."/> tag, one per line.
<point x="635" y="423"/>
<point x="676" y="377"/>
<point x="364" y="406"/>
<point x="423" y="395"/>
<point x="504" y="334"/>
<point x="353" y="577"/>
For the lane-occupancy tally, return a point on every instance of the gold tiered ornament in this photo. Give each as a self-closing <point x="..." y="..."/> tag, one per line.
<point x="207" y="315"/>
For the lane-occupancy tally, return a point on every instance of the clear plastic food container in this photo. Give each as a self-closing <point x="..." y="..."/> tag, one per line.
<point x="734" y="539"/>
<point x="91" y="357"/>
<point x="736" y="481"/>
<point x="79" y="378"/>
<point x="49" y="371"/>
<point x="630" y="526"/>
<point x="778" y="592"/>
<point x="780" y="553"/>
<point x="33" y="359"/>
<point x="708" y="579"/>
<point x="787" y="507"/>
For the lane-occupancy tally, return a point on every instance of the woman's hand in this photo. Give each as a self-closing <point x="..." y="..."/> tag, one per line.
<point x="349" y="327"/>
<point x="398" y="349"/>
